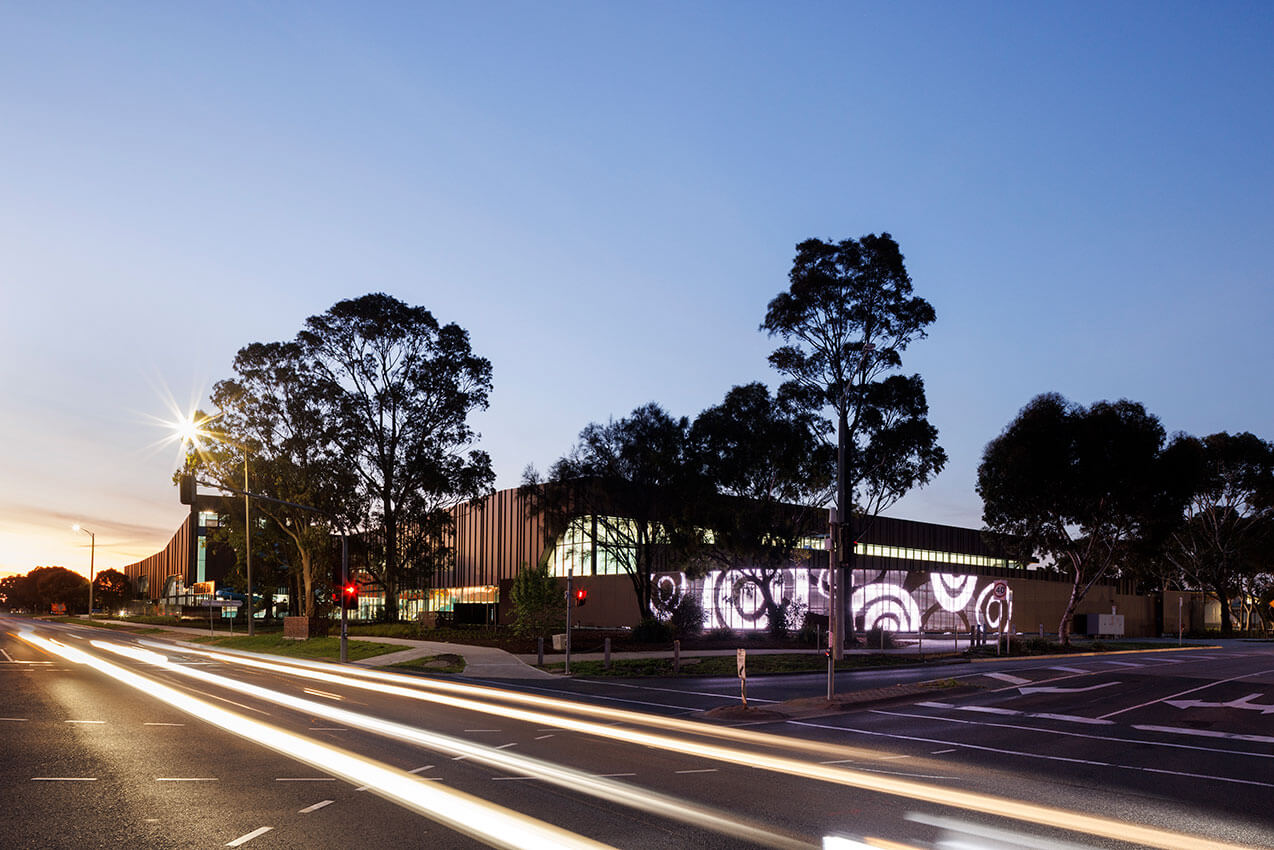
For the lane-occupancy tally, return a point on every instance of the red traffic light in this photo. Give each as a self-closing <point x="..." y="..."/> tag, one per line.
<point x="351" y="591"/>
<point x="581" y="596"/>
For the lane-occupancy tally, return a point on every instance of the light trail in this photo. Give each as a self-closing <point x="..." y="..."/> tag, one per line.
<point x="461" y="812"/>
<point x="1034" y="813"/>
<point x="650" y="802"/>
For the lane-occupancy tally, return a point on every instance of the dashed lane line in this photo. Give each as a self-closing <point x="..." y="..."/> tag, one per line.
<point x="1209" y="733"/>
<point x="305" y="779"/>
<point x="14" y="719"/>
<point x="63" y="778"/>
<point x="244" y="839"/>
<point x="542" y="737"/>
<point x="314" y="808"/>
<point x="186" y="779"/>
<point x="163" y="724"/>
<point x="701" y="770"/>
<point x="1010" y="712"/>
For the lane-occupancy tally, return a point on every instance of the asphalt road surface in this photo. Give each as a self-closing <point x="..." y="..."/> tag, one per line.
<point x="115" y="740"/>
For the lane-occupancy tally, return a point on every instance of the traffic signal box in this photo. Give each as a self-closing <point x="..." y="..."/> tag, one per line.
<point x="581" y="597"/>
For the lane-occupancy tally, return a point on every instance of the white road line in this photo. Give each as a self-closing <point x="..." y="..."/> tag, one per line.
<point x="7" y="656"/>
<point x="15" y="719"/>
<point x="1023" y="754"/>
<point x="314" y="808"/>
<point x="325" y="694"/>
<point x="506" y="746"/>
<point x="1190" y="691"/>
<point x="940" y="752"/>
<point x="892" y="758"/>
<point x="1008" y="677"/>
<point x="163" y="724"/>
<point x="328" y="729"/>
<point x="1073" y="718"/>
<point x="700" y="770"/>
<point x="63" y="778"/>
<point x="610" y="775"/>
<point x="421" y="769"/>
<point x="542" y="737"/>
<point x="244" y="839"/>
<point x="305" y="779"/>
<point x="987" y="709"/>
<point x="1209" y="733"/>
<point x="87" y="722"/>
<point x="1122" y="663"/>
<point x="1070" y="669"/>
<point x="186" y="779"/>
<point x="1055" y="732"/>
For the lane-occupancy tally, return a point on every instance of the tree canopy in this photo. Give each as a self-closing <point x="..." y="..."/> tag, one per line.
<point x="768" y="462"/>
<point x="845" y="320"/>
<point x="1079" y="486"/>
<point x="1222" y="538"/>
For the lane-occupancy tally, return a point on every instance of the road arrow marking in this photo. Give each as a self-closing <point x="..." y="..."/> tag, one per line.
<point x="1007" y="677"/>
<point x="1244" y="703"/>
<point x="1056" y="690"/>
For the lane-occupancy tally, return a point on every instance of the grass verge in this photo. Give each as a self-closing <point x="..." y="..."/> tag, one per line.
<point x="320" y="648"/>
<point x="445" y="663"/>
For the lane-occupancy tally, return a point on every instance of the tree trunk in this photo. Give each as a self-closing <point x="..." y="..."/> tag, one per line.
<point x="1227" y="623"/>
<point x="1064" y="627"/>
<point x="307" y="584"/>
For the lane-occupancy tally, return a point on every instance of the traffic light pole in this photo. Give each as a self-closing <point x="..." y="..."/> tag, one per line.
<point x="570" y="603"/>
<point x="344" y="608"/>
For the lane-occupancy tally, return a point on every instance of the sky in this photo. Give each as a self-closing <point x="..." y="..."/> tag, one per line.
<point x="606" y="196"/>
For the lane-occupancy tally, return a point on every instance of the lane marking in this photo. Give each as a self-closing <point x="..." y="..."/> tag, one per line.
<point x="87" y="722"/>
<point x="328" y="729"/>
<point x="1053" y="689"/>
<point x="186" y="779"/>
<point x="1242" y="703"/>
<point x="1185" y="692"/>
<point x="15" y="719"/>
<point x="314" y="808"/>
<point x="1042" y="756"/>
<point x="7" y="656"/>
<point x="305" y="779"/>
<point x="542" y="737"/>
<point x="611" y="775"/>
<point x="1090" y="736"/>
<point x="1070" y="670"/>
<point x="421" y="769"/>
<point x="63" y="778"/>
<point x="940" y="752"/>
<point x="1122" y="663"/>
<point x="163" y="724"/>
<point x="506" y="746"/>
<point x="244" y="839"/>
<point x="701" y="770"/>
<point x="1211" y="733"/>
<point x="1008" y="677"/>
<point x="325" y="694"/>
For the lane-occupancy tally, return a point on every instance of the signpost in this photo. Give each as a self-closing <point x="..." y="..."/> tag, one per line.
<point x="1000" y="590"/>
<point x="741" y="656"/>
<point x="226" y="605"/>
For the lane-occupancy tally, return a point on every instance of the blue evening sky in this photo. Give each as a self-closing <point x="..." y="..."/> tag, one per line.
<point x="606" y="195"/>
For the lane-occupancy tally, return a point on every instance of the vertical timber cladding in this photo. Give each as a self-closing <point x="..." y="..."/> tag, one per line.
<point x="173" y="559"/>
<point x="493" y="539"/>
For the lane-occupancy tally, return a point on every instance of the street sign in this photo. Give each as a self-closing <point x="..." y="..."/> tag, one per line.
<point x="1000" y="589"/>
<point x="741" y="656"/>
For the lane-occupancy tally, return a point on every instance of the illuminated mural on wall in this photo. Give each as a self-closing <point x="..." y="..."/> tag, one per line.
<point x="892" y="600"/>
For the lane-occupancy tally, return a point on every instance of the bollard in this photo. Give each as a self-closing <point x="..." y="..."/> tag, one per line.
<point x="606" y="650"/>
<point x="539" y="652"/>
<point x="676" y="656"/>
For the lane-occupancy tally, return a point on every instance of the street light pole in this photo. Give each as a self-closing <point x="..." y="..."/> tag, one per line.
<point x="92" y="551"/>
<point x="247" y="535"/>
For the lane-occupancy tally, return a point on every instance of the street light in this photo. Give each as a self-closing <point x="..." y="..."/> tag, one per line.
<point x="190" y="432"/>
<point x="92" y="551"/>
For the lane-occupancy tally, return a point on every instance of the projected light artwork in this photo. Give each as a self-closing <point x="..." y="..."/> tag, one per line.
<point x="892" y="600"/>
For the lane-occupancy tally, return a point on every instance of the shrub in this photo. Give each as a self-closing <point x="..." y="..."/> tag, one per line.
<point x="687" y="616"/>
<point x="538" y="606"/>
<point x="722" y="634"/>
<point x="878" y="638"/>
<point x="650" y="630"/>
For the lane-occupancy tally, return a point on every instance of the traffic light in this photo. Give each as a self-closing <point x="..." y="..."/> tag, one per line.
<point x="186" y="489"/>
<point x="581" y="596"/>
<point x="351" y="594"/>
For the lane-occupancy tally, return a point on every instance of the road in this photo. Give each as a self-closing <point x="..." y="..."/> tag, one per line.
<point x="113" y="739"/>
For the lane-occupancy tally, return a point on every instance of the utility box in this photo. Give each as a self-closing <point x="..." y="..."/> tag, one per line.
<point x="1100" y="625"/>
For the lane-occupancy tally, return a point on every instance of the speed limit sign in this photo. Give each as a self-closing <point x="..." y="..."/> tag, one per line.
<point x="1000" y="589"/>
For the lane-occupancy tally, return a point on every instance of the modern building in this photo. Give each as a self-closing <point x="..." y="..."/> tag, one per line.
<point x="908" y="575"/>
